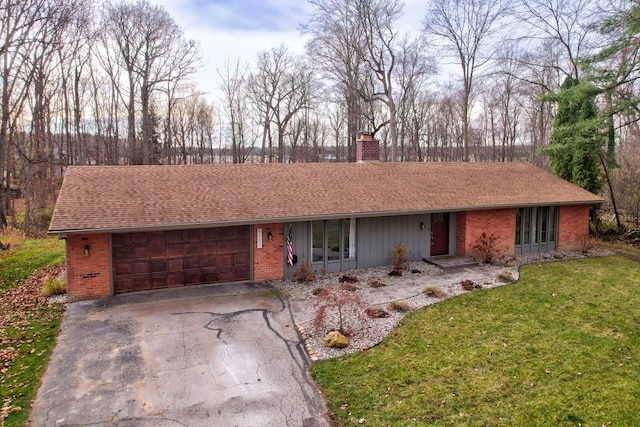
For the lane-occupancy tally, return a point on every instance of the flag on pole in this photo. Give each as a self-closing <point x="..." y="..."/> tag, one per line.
<point x="290" y="247"/>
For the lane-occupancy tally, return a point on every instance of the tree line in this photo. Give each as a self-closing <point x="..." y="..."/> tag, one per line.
<point x="87" y="83"/>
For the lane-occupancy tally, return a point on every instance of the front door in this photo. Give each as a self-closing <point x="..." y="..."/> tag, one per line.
<point x="440" y="234"/>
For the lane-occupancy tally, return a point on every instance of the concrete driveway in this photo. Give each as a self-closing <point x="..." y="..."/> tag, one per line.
<point x="225" y="355"/>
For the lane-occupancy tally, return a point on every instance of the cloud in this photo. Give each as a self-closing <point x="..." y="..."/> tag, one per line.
<point x="246" y="15"/>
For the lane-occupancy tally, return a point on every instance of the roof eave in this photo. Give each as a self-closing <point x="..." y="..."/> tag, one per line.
<point x="338" y="215"/>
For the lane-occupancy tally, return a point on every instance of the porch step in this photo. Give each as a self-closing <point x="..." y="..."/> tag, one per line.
<point x="450" y="263"/>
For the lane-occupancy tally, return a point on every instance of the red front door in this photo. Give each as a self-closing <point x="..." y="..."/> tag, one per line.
<point x="440" y="234"/>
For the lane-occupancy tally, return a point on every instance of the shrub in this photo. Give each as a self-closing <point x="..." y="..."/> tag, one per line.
<point x="376" y="312"/>
<point x="305" y="273"/>
<point x="316" y="291"/>
<point x="349" y="288"/>
<point x="469" y="285"/>
<point x="399" y="306"/>
<point x="342" y="302"/>
<point x="485" y="249"/>
<point x="53" y="286"/>
<point x="434" y="292"/>
<point x="506" y="277"/>
<point x="399" y="257"/>
<point x="375" y="283"/>
<point x="348" y="279"/>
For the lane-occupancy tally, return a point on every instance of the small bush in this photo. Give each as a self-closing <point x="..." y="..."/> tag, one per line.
<point x="349" y="288"/>
<point x="375" y="283"/>
<point x="376" y="312"/>
<point x="434" y="292"/>
<point x="348" y="279"/>
<point x="506" y="277"/>
<point x="53" y="286"/>
<point x="305" y="273"/>
<point x="467" y="285"/>
<point x="399" y="257"/>
<point x="485" y="249"/>
<point x="399" y="306"/>
<point x="316" y="291"/>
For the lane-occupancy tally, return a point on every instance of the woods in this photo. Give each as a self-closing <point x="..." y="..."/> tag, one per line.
<point x="104" y="83"/>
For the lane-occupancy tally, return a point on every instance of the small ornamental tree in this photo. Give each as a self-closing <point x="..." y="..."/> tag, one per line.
<point x="341" y="301"/>
<point x="399" y="257"/>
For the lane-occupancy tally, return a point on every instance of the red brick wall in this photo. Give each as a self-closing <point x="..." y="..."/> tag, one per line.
<point x="499" y="222"/>
<point x="268" y="261"/>
<point x="367" y="150"/>
<point x="88" y="276"/>
<point x="573" y="227"/>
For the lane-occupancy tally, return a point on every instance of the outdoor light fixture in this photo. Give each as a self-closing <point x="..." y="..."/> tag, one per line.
<point x="422" y="226"/>
<point x="269" y="236"/>
<point x="86" y="250"/>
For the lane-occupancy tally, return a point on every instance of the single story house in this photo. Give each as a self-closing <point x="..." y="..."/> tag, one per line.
<point x="131" y="228"/>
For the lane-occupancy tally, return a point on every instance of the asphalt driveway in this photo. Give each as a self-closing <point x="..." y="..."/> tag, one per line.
<point x="225" y="355"/>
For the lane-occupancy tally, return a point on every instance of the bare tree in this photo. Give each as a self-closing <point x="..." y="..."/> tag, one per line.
<point x="335" y="46"/>
<point x="377" y="18"/>
<point x="467" y="27"/>
<point x="151" y="48"/>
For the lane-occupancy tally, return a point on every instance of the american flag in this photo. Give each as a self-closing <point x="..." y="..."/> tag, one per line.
<point x="290" y="248"/>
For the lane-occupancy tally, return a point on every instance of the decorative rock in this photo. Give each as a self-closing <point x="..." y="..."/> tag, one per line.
<point x="335" y="339"/>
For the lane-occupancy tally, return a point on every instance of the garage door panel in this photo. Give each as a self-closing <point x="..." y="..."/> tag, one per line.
<point x="192" y="278"/>
<point x="125" y="284"/>
<point x="158" y="281"/>
<point x="175" y="250"/>
<point x="191" y="249"/>
<point x="175" y="265"/>
<point x="122" y="268"/>
<point x="192" y="235"/>
<point x="140" y="252"/>
<point x="157" y="251"/>
<point x="175" y="279"/>
<point x="140" y="267"/>
<point x="157" y="238"/>
<point x="122" y="253"/>
<point x="208" y="261"/>
<point x="142" y="283"/>
<point x="139" y="238"/>
<point x="225" y="260"/>
<point x="121" y="240"/>
<point x="174" y="236"/>
<point x="154" y="260"/>
<point x="158" y="266"/>
<point x="241" y="259"/>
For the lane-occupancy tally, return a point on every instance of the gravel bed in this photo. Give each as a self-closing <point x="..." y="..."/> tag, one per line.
<point x="365" y="332"/>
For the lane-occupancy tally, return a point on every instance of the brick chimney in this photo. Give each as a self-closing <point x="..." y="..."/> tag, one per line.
<point x="368" y="148"/>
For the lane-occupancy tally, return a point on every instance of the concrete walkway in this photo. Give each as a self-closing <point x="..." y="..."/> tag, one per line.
<point x="303" y="311"/>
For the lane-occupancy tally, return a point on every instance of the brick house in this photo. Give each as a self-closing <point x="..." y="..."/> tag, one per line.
<point x="130" y="228"/>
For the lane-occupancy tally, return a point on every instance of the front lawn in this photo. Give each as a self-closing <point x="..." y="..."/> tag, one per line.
<point x="28" y="325"/>
<point x="560" y="347"/>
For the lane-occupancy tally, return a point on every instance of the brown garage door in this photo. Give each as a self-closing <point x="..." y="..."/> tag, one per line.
<point x="166" y="259"/>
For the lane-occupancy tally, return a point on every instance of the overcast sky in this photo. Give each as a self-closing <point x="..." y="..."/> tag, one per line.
<point x="242" y="28"/>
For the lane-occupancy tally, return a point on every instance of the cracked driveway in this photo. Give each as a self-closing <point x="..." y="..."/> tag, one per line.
<point x="225" y="355"/>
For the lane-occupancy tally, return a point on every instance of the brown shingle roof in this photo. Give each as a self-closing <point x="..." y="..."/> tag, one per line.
<point x="109" y="198"/>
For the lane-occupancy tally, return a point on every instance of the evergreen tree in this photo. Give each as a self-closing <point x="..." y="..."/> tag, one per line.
<point x="577" y="138"/>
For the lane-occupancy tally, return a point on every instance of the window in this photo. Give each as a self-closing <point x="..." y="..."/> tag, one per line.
<point x="536" y="230"/>
<point x="333" y="240"/>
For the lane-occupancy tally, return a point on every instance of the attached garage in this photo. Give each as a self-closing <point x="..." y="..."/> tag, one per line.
<point x="166" y="259"/>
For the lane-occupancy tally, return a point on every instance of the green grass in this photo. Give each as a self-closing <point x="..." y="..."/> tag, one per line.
<point x="559" y="348"/>
<point x="27" y="327"/>
<point x="20" y="261"/>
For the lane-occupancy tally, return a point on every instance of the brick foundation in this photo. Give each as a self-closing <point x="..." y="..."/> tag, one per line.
<point x="499" y="222"/>
<point x="88" y="276"/>
<point x="573" y="227"/>
<point x="268" y="261"/>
